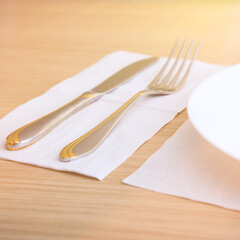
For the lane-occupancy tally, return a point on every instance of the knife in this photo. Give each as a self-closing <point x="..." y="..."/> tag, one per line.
<point x="33" y="131"/>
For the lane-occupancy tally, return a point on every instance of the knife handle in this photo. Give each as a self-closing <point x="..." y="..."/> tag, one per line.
<point x="33" y="131"/>
<point x="90" y="141"/>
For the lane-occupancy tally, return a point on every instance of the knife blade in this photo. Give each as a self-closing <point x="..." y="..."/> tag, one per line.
<point x="34" y="131"/>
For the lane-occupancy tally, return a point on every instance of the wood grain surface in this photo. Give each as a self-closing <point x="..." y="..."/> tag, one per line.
<point x="42" y="43"/>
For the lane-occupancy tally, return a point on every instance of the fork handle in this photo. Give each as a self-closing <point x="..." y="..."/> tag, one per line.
<point x="91" y="140"/>
<point x="35" y="130"/>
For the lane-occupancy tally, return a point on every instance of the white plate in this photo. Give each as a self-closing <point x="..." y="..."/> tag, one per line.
<point x="214" y="110"/>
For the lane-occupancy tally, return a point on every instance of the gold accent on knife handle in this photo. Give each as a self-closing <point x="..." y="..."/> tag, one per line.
<point x="93" y="138"/>
<point x="33" y="131"/>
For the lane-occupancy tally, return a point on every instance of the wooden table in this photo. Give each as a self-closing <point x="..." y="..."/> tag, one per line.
<point x="43" y="42"/>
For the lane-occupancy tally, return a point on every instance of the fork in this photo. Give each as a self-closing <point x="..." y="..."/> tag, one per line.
<point x="162" y="84"/>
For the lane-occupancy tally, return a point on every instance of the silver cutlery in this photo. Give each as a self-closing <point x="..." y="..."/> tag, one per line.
<point x="33" y="131"/>
<point x="162" y="84"/>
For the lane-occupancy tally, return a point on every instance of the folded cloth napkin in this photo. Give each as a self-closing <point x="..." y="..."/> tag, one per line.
<point x="138" y="125"/>
<point x="190" y="167"/>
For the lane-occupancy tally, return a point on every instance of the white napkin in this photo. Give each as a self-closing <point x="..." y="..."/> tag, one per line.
<point x="188" y="166"/>
<point x="137" y="126"/>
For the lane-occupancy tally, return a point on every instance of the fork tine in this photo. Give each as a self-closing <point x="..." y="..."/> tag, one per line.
<point x="156" y="79"/>
<point x="176" y="77"/>
<point x="183" y="80"/>
<point x="168" y="76"/>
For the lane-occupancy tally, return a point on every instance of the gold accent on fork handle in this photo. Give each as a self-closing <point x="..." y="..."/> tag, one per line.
<point x="33" y="131"/>
<point x="169" y="84"/>
<point x="92" y="139"/>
